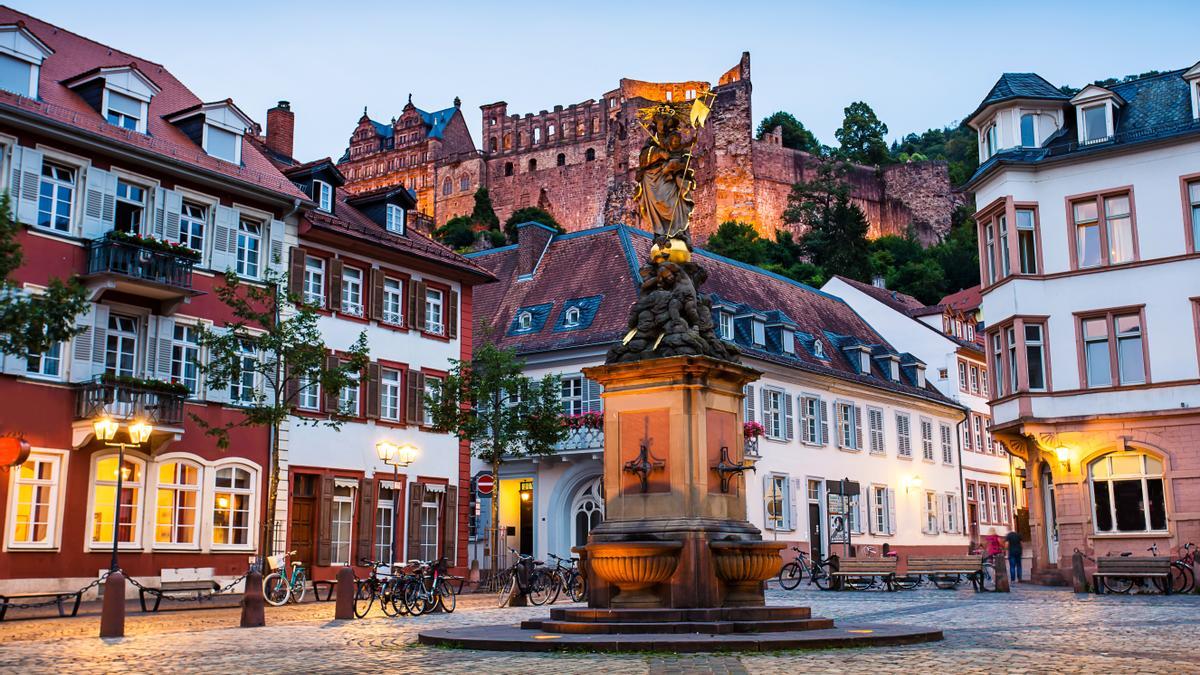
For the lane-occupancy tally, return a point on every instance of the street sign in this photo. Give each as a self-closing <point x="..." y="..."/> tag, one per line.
<point x="484" y="484"/>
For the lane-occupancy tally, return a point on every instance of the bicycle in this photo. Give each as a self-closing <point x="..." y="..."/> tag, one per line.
<point x="1179" y="576"/>
<point x="792" y="573"/>
<point x="280" y="587"/>
<point x="367" y="591"/>
<point x="524" y="566"/>
<point x="903" y="583"/>
<point x="565" y="578"/>
<point x="1185" y="564"/>
<point x="422" y="598"/>
<point x="987" y="577"/>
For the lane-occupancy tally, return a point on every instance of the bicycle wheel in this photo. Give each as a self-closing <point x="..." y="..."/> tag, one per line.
<point x="397" y="597"/>
<point x="907" y="582"/>
<point x="791" y="575"/>
<point x="822" y="578"/>
<point x="387" y="595"/>
<point x="1189" y="578"/>
<point x="1117" y="584"/>
<point x="275" y="589"/>
<point x="446" y="599"/>
<point x="364" y="595"/>
<point x="508" y="590"/>
<point x="299" y="586"/>
<point x="416" y="598"/>
<point x="540" y="588"/>
<point x="1181" y="577"/>
<point x="578" y="588"/>
<point x="859" y="583"/>
<point x="555" y="581"/>
<point x="946" y="582"/>
<point x="988" y="580"/>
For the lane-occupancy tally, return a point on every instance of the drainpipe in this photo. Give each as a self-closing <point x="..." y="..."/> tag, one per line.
<point x="962" y="492"/>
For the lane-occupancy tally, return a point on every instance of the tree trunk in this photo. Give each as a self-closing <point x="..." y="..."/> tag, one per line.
<point x="495" y="513"/>
<point x="272" y="496"/>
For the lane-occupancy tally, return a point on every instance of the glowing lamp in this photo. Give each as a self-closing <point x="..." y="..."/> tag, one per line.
<point x="105" y="428"/>
<point x="139" y="432"/>
<point x="914" y="483"/>
<point x="524" y="496"/>
<point x="1064" y="456"/>
<point x="407" y="454"/>
<point x="386" y="451"/>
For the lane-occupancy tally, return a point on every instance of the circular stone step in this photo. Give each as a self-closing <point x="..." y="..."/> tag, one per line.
<point x="707" y="614"/>
<point x="708" y="627"/>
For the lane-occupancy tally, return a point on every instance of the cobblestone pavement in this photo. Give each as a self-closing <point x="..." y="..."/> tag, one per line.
<point x="1029" y="630"/>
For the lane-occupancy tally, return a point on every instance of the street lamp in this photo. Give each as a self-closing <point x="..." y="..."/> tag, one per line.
<point x="1064" y="457"/>
<point x="138" y="432"/>
<point x="395" y="456"/>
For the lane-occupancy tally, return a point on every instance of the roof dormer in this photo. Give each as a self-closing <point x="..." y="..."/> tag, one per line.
<point x="1021" y="111"/>
<point x="121" y="94"/>
<point x="1096" y="114"/>
<point x="319" y="180"/>
<point x="21" y="56"/>
<point x="1192" y="77"/>
<point x="217" y="127"/>
<point x="388" y="207"/>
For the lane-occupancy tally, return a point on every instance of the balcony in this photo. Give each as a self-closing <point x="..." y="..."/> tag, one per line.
<point x="160" y="404"/>
<point x="149" y="269"/>
<point x="583" y="439"/>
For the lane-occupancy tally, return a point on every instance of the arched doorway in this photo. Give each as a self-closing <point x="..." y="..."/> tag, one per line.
<point x="1050" y="515"/>
<point x="587" y="511"/>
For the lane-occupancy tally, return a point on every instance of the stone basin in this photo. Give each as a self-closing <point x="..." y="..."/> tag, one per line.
<point x="743" y="566"/>
<point x="634" y="567"/>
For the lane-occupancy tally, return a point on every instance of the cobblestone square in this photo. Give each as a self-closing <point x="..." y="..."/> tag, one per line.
<point x="1029" y="630"/>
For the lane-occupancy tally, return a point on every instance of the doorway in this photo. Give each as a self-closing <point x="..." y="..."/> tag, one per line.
<point x="973" y="521"/>
<point x="303" y="505"/>
<point x="816" y="539"/>
<point x="526" y="518"/>
<point x="1050" y="515"/>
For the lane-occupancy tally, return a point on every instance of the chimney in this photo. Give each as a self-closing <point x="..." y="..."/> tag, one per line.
<point x="532" y="241"/>
<point x="281" y="126"/>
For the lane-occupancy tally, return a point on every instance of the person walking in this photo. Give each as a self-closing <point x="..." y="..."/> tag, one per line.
<point x="1013" y="539"/>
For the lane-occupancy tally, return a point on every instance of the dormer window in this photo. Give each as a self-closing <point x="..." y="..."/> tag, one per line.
<point x="725" y="325"/>
<point x="395" y="219"/>
<point x="1095" y="123"/>
<point x="21" y="56"/>
<point x="760" y="332"/>
<point x="571" y="318"/>
<point x="323" y="194"/>
<point x="991" y="140"/>
<point x="121" y="94"/>
<point x="789" y="342"/>
<point x="1029" y="130"/>
<point x="818" y="348"/>
<point x="125" y="111"/>
<point x="217" y="127"/>
<point x="524" y="321"/>
<point x="222" y="144"/>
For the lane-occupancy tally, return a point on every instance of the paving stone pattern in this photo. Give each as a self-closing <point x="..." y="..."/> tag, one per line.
<point x="1029" y="630"/>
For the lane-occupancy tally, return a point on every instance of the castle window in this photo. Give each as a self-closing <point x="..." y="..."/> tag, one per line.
<point x="464" y="182"/>
<point x="595" y="125"/>
<point x="492" y="144"/>
<point x="537" y="135"/>
<point x="491" y="121"/>
<point x="507" y="141"/>
<point x="550" y="130"/>
<point x="562" y="159"/>
<point x="669" y="97"/>
<point x="446" y="187"/>
<point x="532" y="165"/>
<point x="520" y="138"/>
<point x="590" y="155"/>
<point x="508" y="169"/>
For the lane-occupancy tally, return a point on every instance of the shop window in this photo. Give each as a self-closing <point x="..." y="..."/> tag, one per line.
<point x="1128" y="493"/>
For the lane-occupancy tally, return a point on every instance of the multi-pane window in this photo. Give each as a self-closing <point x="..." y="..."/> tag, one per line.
<point x="847" y="438"/>
<point x="314" y="281"/>
<point x="431" y="391"/>
<point x="989" y="233"/>
<point x="951" y="519"/>
<point x="997" y="361"/>
<point x="983" y="380"/>
<point x="1194" y="208"/>
<point x="725" y="322"/>
<point x="879" y="509"/>
<point x="308" y="395"/>
<point x="120" y="350"/>
<point x="108" y="507"/>
<point x="927" y="439"/>
<point x="433" y="311"/>
<point x="1087" y="234"/>
<point x="242" y="388"/>
<point x="904" y="435"/>
<point x="341" y="517"/>
<point x="1113" y="343"/>
<point x="56" y="195"/>
<point x="1128" y="493"/>
<point x="931" y="512"/>
<point x="33" y="520"/>
<point x="962" y="375"/>
<point x="810" y="419"/>
<point x="984" y="512"/>
<point x="348" y="398"/>
<point x="395" y="219"/>
<point x="1004" y="505"/>
<point x="773" y="417"/>
<point x="875" y="430"/>
<point x="393" y="301"/>
<point x="177" y="502"/>
<point x="47" y="363"/>
<point x="389" y="394"/>
<point x="974" y="379"/>
<point x="994" y="491"/>
<point x="777" y="502"/>
<point x="249" y="248"/>
<point x="131" y="207"/>
<point x="966" y="435"/>
<point x="185" y="356"/>
<point x="947" y="437"/>
<point x="352" y="282"/>
<point x="192" y="220"/>
<point x="428" y="527"/>
<point x="1104" y="243"/>
<point x="1027" y="253"/>
<point x="571" y="395"/>
<point x="1118" y="229"/>
<point x="124" y="111"/>
<point x="1002" y="228"/>
<point x="977" y="422"/>
<point x="1035" y="356"/>
<point x="323" y="193"/>
<point x="231" y="506"/>
<point x="385" y="517"/>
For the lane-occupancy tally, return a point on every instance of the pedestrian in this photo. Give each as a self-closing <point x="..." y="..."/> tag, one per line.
<point x="992" y="544"/>
<point x="1013" y="539"/>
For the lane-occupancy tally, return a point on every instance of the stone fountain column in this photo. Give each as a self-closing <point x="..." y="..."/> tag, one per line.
<point x="674" y="536"/>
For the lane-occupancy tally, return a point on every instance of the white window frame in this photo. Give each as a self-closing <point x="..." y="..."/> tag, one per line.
<point x="810" y="419"/>
<point x="389" y="394"/>
<point x="431" y="385"/>
<point x="947" y="438"/>
<point x="246" y="235"/>
<point x="395" y="217"/>
<point x="879" y="510"/>
<point x="350" y="398"/>
<point x="950" y="517"/>
<point x="198" y="489"/>
<point x="252" y="498"/>
<point x="393" y="301"/>
<point x="139" y="503"/>
<point x="122" y="339"/>
<point x="773" y="414"/>
<point x="237" y="143"/>
<point x="435" y="315"/>
<point x="139" y="122"/>
<point x="59" y="459"/>
<point x="571" y="318"/>
<point x="251" y="378"/>
<point x="323" y="195"/>
<point x="41" y="372"/>
<point x="429" y="503"/>
<point x="725" y="323"/>
<point x="179" y="352"/>
<point x="1143" y="476"/>
<point x="931" y="508"/>
<point x="352" y="291"/>
<point x="314" y="280"/>
<point x="309" y="395"/>
<point x="524" y="321"/>
<point x="189" y="222"/>
<point x="385" y="525"/>
<point x="758" y="330"/>
<point x="57" y="183"/>
<point x="783" y="521"/>
<point x="31" y="87"/>
<point x="844" y="414"/>
<point x="335" y="543"/>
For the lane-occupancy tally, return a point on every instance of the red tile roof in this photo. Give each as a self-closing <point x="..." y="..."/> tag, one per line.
<point x="75" y="55"/>
<point x="966" y="300"/>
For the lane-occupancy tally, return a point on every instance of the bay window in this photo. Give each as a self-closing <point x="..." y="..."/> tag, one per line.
<point x="1011" y="338"/>
<point x="177" y="502"/>
<point x="35" y="496"/>
<point x="232" y="500"/>
<point x="1027" y="253"/>
<point x="1193" y="206"/>
<point x="1035" y="357"/>
<point x="1128" y="493"/>
<point x="989" y="233"/>
<point x="1002" y="228"/>
<point x="108" y="507"/>
<point x="1113" y="347"/>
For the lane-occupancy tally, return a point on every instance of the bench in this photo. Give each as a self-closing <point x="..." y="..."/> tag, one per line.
<point x="203" y="588"/>
<point x="935" y="567"/>
<point x="884" y="568"/>
<point x="329" y="585"/>
<point x="1128" y="567"/>
<point x="59" y="597"/>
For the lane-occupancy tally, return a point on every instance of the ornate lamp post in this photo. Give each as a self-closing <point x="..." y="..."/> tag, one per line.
<point x="137" y="433"/>
<point x="395" y="456"/>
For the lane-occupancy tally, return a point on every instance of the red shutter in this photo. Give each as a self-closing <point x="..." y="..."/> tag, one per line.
<point x="325" y="522"/>
<point x="452" y="316"/>
<point x="295" y="283"/>
<point x="334" y="300"/>
<point x="366" y="521"/>
<point x="373" y="391"/>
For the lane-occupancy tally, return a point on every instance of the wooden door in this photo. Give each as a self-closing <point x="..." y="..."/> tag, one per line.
<point x="302" y="521"/>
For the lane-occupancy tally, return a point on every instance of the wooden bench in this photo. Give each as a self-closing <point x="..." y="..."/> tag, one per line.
<point x="203" y="588"/>
<point x="1129" y="567"/>
<point x="932" y="567"/>
<point x="329" y="585"/>
<point x="59" y="597"/>
<point x="884" y="568"/>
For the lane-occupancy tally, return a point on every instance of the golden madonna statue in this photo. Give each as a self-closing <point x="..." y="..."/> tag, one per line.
<point x="665" y="177"/>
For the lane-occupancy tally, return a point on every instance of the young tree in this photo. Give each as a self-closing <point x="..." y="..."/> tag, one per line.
<point x="32" y="324"/>
<point x="861" y="135"/>
<point x="483" y="216"/>
<point x="795" y="135"/>
<point x="271" y="353"/>
<point x="489" y="403"/>
<point x="835" y="237"/>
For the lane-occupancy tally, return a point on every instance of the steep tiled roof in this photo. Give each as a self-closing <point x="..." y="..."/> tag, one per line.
<point x="1020" y="85"/>
<point x="437" y="120"/>
<point x="612" y="256"/>
<point x="966" y="300"/>
<point x="898" y="301"/>
<point x="75" y="55"/>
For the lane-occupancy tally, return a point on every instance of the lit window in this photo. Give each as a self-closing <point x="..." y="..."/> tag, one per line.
<point x="393" y="301"/>
<point x="395" y="219"/>
<point x="222" y="144"/>
<point x="231" y="506"/>
<point x="34" y="502"/>
<point x="108" y="510"/>
<point x="131" y="207"/>
<point x="1128" y="493"/>
<point x="352" y="291"/>
<point x="314" y="281"/>
<point x="1118" y="229"/>
<point x="1095" y="123"/>
<point x="1029" y="130"/>
<point x="56" y="194"/>
<point x="1026" y="242"/>
<point x="249" y="248"/>
<point x="185" y="355"/>
<point x="176" y="503"/>
<point x="125" y="111"/>
<point x="389" y="394"/>
<point x="341" y="518"/>
<point x="433" y="311"/>
<point x="191" y="226"/>
<point x="323" y="192"/>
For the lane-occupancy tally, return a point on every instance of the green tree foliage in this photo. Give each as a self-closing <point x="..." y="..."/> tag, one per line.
<point x="526" y="215"/>
<point x="955" y="144"/>
<point x="458" y="233"/>
<point x="795" y="135"/>
<point x="738" y="240"/>
<point x="1110" y="82"/>
<point x="461" y="232"/>
<point x="490" y="403"/>
<point x="276" y="339"/>
<point x="862" y="135"/>
<point x="835" y="230"/>
<point x="483" y="216"/>
<point x="32" y="323"/>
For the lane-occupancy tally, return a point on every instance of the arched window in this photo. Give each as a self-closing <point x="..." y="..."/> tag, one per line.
<point x="464" y="182"/>
<point x="590" y="155"/>
<point x="562" y="159"/>
<point x="586" y="512"/>
<point x="818" y="349"/>
<point x="571" y="317"/>
<point x="508" y="169"/>
<point x="1128" y="493"/>
<point x="107" y="508"/>
<point x="532" y="165"/>
<point x="524" y="321"/>
<point x="233" y="498"/>
<point x="177" y="503"/>
<point x="446" y="186"/>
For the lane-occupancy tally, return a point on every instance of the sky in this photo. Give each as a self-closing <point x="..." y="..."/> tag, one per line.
<point x="919" y="64"/>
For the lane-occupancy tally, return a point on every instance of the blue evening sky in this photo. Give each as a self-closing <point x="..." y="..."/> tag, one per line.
<point x="918" y="64"/>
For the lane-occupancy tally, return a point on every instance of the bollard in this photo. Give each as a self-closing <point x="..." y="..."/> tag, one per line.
<point x="1078" y="578"/>
<point x="112" y="614"/>
<point x="346" y="589"/>
<point x="253" y="607"/>
<point x="1001" y="574"/>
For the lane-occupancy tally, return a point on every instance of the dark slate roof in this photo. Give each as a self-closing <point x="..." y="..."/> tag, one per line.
<point x="612" y="254"/>
<point x="1154" y="108"/>
<point x="381" y="129"/>
<point x="1020" y="85"/>
<point x="437" y="120"/>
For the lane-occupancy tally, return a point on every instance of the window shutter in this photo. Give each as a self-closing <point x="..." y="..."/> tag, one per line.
<point x="26" y="183"/>
<point x="824" y="422"/>
<point x="376" y="303"/>
<point x="291" y="387"/>
<point x="591" y="396"/>
<point x="373" y="391"/>
<point x="450" y="524"/>
<point x="749" y="404"/>
<point x="768" y="524"/>
<point x="766" y="399"/>
<point x="891" y="507"/>
<point x="173" y="211"/>
<point x="872" y="505"/>
<point x="416" y="496"/>
<point x="415" y="395"/>
<point x="331" y="396"/>
<point x="450" y="315"/>
<point x="99" y="338"/>
<point x="159" y="221"/>
<point x="99" y="202"/>
<point x="788" y="419"/>
<point x="278" y="231"/>
<point x="165" y="347"/>
<point x="295" y="282"/>
<point x="796" y="491"/>
<point x="81" y="345"/>
<point x="325" y="522"/>
<point x="416" y="305"/>
<point x="224" y="248"/>
<point x="858" y="439"/>
<point x="366" y="521"/>
<point x="334" y="300"/>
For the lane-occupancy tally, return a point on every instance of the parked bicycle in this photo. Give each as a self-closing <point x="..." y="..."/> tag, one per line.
<point x="284" y="585"/>
<point x="1182" y="578"/>
<point x="794" y="572"/>
<point x="1185" y="565"/>
<point x="428" y="589"/>
<point x="375" y="587"/>
<point x="564" y="577"/>
<point x="519" y="578"/>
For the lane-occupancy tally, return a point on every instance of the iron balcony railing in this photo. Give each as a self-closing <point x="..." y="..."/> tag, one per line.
<point x="1131" y="136"/>
<point x="583" y="439"/>
<point x="140" y="262"/>
<point x="127" y="401"/>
